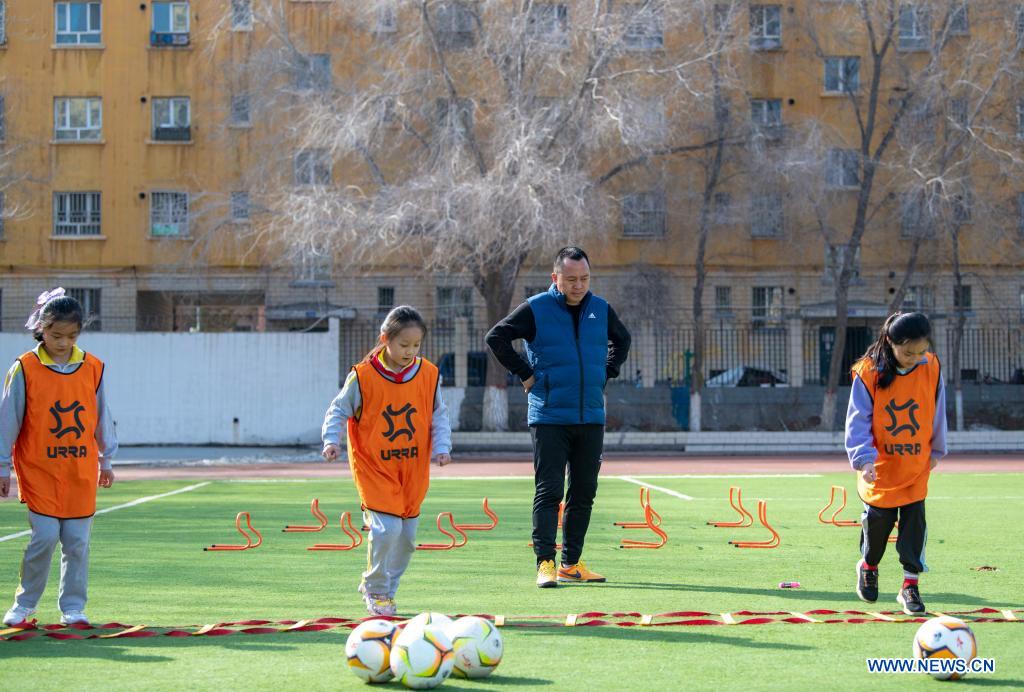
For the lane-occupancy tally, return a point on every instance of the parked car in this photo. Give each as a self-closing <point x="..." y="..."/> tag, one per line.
<point x="747" y="376"/>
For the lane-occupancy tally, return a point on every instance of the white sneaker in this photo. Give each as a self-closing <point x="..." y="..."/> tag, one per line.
<point x="17" y="615"/>
<point x="379" y="604"/>
<point x="74" y="617"/>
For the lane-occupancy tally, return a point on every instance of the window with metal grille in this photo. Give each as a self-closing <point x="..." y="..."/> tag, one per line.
<point x="766" y="215"/>
<point x="90" y="300"/>
<point x="962" y="297"/>
<point x="312" y="72"/>
<point x="765" y="27"/>
<point x="241" y="15"/>
<point x="644" y="27"/>
<point x="239" y="206"/>
<point x="312" y="167"/>
<point x="915" y="27"/>
<point x="172" y="119"/>
<point x="548" y="23"/>
<point x="385" y="300"/>
<point x="455" y="25"/>
<point x="842" y="75"/>
<point x="168" y="214"/>
<point x="723" y="301"/>
<point x="643" y="215"/>
<point x="77" y="119"/>
<point x="842" y="168"/>
<point x="78" y="23"/>
<point x="76" y="213"/>
<point x="240" y="114"/>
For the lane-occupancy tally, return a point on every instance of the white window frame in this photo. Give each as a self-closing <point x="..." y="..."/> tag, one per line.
<point x="918" y="299"/>
<point x="644" y="215"/>
<point x="305" y="167"/>
<point x="548" y="23"/>
<point x="842" y="169"/>
<point x="645" y="33"/>
<point x="914" y="28"/>
<point x="767" y="304"/>
<point x="91" y="300"/>
<point x="89" y="221"/>
<point x="89" y="33"/>
<point x="766" y="117"/>
<point x="843" y="74"/>
<point x="177" y="4"/>
<point x="241" y="15"/>
<point x="171" y="123"/>
<point x="241" y="208"/>
<point x="764" y="208"/>
<point x="763" y="36"/>
<point x="170" y="208"/>
<point x="91" y="132"/>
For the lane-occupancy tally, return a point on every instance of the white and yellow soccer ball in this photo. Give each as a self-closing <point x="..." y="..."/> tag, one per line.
<point x="477" y="646"/>
<point x="433" y="619"/>
<point x="368" y="650"/>
<point x="421" y="657"/>
<point x="945" y="637"/>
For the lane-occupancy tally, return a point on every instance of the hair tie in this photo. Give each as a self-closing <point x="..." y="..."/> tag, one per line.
<point x="44" y="298"/>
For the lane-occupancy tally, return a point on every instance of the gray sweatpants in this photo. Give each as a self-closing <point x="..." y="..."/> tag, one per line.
<point x="392" y="542"/>
<point x="73" y="535"/>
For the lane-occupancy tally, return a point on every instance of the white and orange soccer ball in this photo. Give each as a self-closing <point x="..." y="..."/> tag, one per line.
<point x="421" y="656"/>
<point x="477" y="646"/>
<point x="368" y="650"/>
<point x="945" y="637"/>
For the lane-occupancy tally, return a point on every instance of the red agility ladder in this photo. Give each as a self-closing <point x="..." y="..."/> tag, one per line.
<point x="248" y="539"/>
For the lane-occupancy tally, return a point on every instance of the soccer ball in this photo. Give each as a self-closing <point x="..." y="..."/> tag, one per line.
<point x="423" y="619"/>
<point x="477" y="646"/>
<point x="368" y="650"/>
<point x="945" y="637"/>
<point x="421" y="657"/>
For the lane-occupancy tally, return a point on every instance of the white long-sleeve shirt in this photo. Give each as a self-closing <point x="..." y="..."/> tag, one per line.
<point x="12" y="409"/>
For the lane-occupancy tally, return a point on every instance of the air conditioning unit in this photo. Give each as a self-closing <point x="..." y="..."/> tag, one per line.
<point x="168" y="39"/>
<point x="173" y="134"/>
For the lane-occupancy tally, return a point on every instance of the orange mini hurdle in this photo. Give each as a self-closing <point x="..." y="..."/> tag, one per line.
<point x="842" y="505"/>
<point x="745" y="519"/>
<point x="653" y="522"/>
<point x="314" y="507"/>
<point x="454" y="542"/>
<point x="355" y="537"/>
<point x="482" y="527"/>
<point x="248" y="539"/>
<point x="762" y="516"/>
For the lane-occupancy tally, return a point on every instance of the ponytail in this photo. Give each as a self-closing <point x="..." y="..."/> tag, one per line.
<point x="899" y="328"/>
<point x="398" y="319"/>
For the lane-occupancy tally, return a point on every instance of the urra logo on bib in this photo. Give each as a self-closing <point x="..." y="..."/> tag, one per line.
<point x="404" y="426"/>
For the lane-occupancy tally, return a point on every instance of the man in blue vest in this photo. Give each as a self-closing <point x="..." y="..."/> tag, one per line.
<point x="575" y="343"/>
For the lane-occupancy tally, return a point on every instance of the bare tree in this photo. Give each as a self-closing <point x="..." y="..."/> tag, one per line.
<point x="459" y="137"/>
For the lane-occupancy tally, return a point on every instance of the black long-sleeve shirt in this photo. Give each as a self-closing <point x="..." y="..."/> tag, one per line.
<point x="520" y="324"/>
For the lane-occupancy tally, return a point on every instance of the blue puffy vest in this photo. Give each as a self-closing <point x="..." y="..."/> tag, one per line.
<point x="569" y="370"/>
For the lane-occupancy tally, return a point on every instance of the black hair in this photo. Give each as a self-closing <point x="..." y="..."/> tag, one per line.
<point x="398" y="319"/>
<point x="899" y="328"/>
<point x="63" y="309"/>
<point x="571" y="252"/>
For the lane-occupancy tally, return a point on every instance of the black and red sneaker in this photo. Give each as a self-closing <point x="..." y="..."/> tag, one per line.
<point x="867" y="583"/>
<point x="910" y="598"/>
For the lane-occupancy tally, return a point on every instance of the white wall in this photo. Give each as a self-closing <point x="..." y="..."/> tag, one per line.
<point x="175" y="388"/>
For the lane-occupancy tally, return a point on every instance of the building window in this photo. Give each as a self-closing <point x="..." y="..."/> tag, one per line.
<point x="643" y="215"/>
<point x="842" y="75"/>
<point x="168" y="214"/>
<point x="766" y="304"/>
<point x="3" y="118"/>
<point x="721" y="19"/>
<point x="962" y="297"/>
<point x="958" y="111"/>
<point x="455" y="115"/>
<point x="842" y="168"/>
<point x="3" y="214"/>
<point x="1020" y="26"/>
<point x="313" y="267"/>
<point x="1020" y="213"/>
<point x="834" y="257"/>
<point x="915" y="217"/>
<point x="766" y="216"/>
<point x="1020" y="118"/>
<point x="312" y="72"/>
<point x="241" y="15"/>
<point x="452" y="302"/>
<point x="645" y="123"/>
<point x="312" y="167"/>
<point x="721" y="210"/>
<point x="1021" y="300"/>
<point x="172" y="119"/>
<point x="90" y="300"/>
<point x="723" y="301"/>
<point x="765" y="27"/>
<point x="918" y="299"/>
<point x="76" y="213"/>
<point x="385" y="300"/>
<point x="170" y="24"/>
<point x="548" y="23"/>
<point x="3" y="22"/>
<point x="386" y="21"/>
<point x="963" y="204"/>
<point x="958" y="21"/>
<point x="915" y="27"/>
<point x="77" y="119"/>
<point x="766" y="118"/>
<point x="240" y="114"/>
<point x="240" y="207"/>
<point x="455" y="24"/>
<point x="78" y="23"/>
<point x="644" y="28"/>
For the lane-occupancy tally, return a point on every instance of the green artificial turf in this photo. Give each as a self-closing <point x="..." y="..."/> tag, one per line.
<point x="148" y="567"/>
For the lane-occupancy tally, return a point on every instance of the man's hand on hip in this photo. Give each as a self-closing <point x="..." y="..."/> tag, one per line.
<point x="528" y="383"/>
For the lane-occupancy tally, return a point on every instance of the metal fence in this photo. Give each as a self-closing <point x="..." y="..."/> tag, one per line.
<point x="990" y="355"/>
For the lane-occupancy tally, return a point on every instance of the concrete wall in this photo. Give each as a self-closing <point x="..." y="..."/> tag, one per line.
<point x="236" y="389"/>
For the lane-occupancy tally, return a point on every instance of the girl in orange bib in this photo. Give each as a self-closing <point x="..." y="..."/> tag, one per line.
<point x="57" y="430"/>
<point x="396" y="420"/>
<point x="895" y="435"/>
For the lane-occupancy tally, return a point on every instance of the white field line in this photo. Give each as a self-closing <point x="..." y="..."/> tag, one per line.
<point x="673" y="493"/>
<point x="699" y="476"/>
<point x="139" y="501"/>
